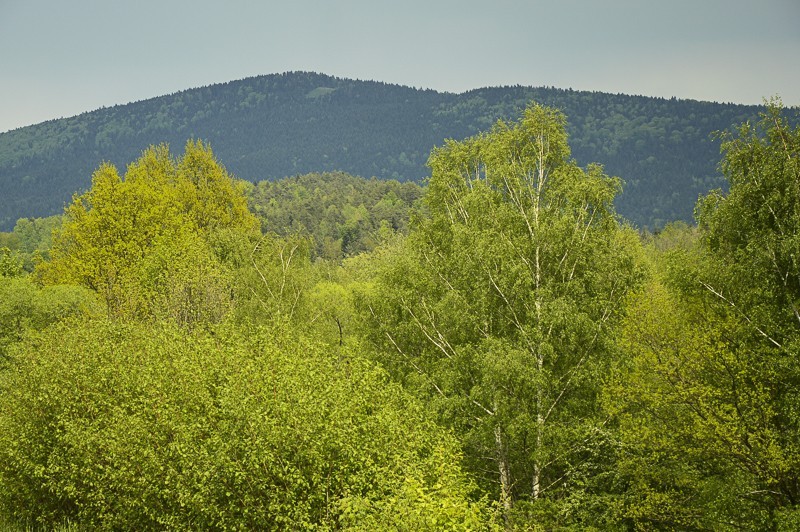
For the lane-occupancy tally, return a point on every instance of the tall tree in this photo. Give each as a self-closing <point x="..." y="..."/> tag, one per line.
<point x="714" y="354"/>
<point x="499" y="306"/>
<point x="141" y="241"/>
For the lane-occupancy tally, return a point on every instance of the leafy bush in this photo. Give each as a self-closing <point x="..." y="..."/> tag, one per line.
<point x="126" y="426"/>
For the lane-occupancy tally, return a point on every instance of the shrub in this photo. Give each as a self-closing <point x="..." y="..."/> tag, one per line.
<point x="130" y="426"/>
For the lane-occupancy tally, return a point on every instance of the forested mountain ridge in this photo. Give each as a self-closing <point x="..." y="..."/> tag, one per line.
<point x="497" y="350"/>
<point x="273" y="126"/>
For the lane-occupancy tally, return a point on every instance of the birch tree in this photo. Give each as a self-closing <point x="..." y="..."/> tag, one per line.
<point x="499" y="306"/>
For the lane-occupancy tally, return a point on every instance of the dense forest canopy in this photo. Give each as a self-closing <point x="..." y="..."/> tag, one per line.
<point x="270" y="127"/>
<point x="343" y="214"/>
<point x="497" y="351"/>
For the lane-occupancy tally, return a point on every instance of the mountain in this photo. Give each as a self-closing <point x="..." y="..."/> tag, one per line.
<point x="272" y="126"/>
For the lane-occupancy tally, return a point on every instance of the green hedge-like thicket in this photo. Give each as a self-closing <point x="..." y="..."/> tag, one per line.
<point x="125" y="426"/>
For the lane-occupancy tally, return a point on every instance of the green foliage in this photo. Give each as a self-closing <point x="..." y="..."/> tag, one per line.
<point x="25" y="306"/>
<point x="30" y="240"/>
<point x="123" y="426"/>
<point x="181" y="279"/>
<point x="142" y="242"/>
<point x="10" y="263"/>
<point x="713" y="346"/>
<point x="269" y="127"/>
<point x="680" y="365"/>
<point x="498" y="309"/>
<point x="593" y="380"/>
<point x="753" y="232"/>
<point x="35" y="234"/>
<point x="333" y="303"/>
<point x="344" y="215"/>
<point x="275" y="279"/>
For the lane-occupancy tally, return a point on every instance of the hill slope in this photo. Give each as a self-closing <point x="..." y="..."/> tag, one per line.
<point x="274" y="126"/>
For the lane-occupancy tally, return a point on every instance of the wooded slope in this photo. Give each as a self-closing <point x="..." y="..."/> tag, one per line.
<point x="274" y="126"/>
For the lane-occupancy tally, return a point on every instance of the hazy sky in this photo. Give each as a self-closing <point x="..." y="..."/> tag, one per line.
<point x="60" y="58"/>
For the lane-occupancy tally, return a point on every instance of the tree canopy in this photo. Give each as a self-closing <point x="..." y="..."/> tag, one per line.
<point x="499" y="306"/>
<point x="141" y="241"/>
<point x="497" y="350"/>
<point x="271" y="127"/>
<point x="713" y="354"/>
<point x="126" y="426"/>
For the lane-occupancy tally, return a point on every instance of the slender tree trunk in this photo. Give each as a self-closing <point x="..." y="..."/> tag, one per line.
<point x="537" y="470"/>
<point x="505" y="480"/>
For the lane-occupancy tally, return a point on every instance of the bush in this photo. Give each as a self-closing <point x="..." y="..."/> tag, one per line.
<point x="126" y="426"/>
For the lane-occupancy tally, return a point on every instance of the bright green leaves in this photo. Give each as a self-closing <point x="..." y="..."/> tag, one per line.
<point x="586" y="387"/>
<point x="141" y="241"/>
<point x="524" y="166"/>
<point x="273" y="279"/>
<point x="24" y="306"/>
<point x="181" y="279"/>
<point x="159" y="417"/>
<point x="148" y="426"/>
<point x="500" y="306"/>
<point x="700" y="428"/>
<point x="10" y="263"/>
<point x="30" y="240"/>
<point x="209" y="196"/>
<point x="707" y="402"/>
<point x="666" y="399"/>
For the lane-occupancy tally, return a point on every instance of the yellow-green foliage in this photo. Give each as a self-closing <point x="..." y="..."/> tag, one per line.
<point x="130" y="427"/>
<point x="24" y="305"/>
<point x="161" y="213"/>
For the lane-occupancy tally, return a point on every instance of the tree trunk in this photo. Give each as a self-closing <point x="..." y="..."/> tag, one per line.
<point x="505" y="480"/>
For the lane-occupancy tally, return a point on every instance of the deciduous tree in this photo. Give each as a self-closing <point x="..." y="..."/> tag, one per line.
<point x="709" y="403"/>
<point x="142" y="240"/>
<point x="499" y="307"/>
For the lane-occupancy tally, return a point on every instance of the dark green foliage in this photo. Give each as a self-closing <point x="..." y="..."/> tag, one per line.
<point x="118" y="426"/>
<point x="344" y="215"/>
<point x="273" y="126"/>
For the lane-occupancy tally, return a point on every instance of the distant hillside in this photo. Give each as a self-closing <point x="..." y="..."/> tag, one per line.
<point x="281" y="125"/>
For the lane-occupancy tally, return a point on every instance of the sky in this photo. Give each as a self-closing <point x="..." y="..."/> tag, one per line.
<point x="61" y="58"/>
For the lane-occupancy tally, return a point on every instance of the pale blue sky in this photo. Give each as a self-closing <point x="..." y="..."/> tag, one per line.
<point x="60" y="58"/>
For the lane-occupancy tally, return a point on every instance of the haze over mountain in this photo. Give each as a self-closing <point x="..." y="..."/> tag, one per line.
<point x="273" y="126"/>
